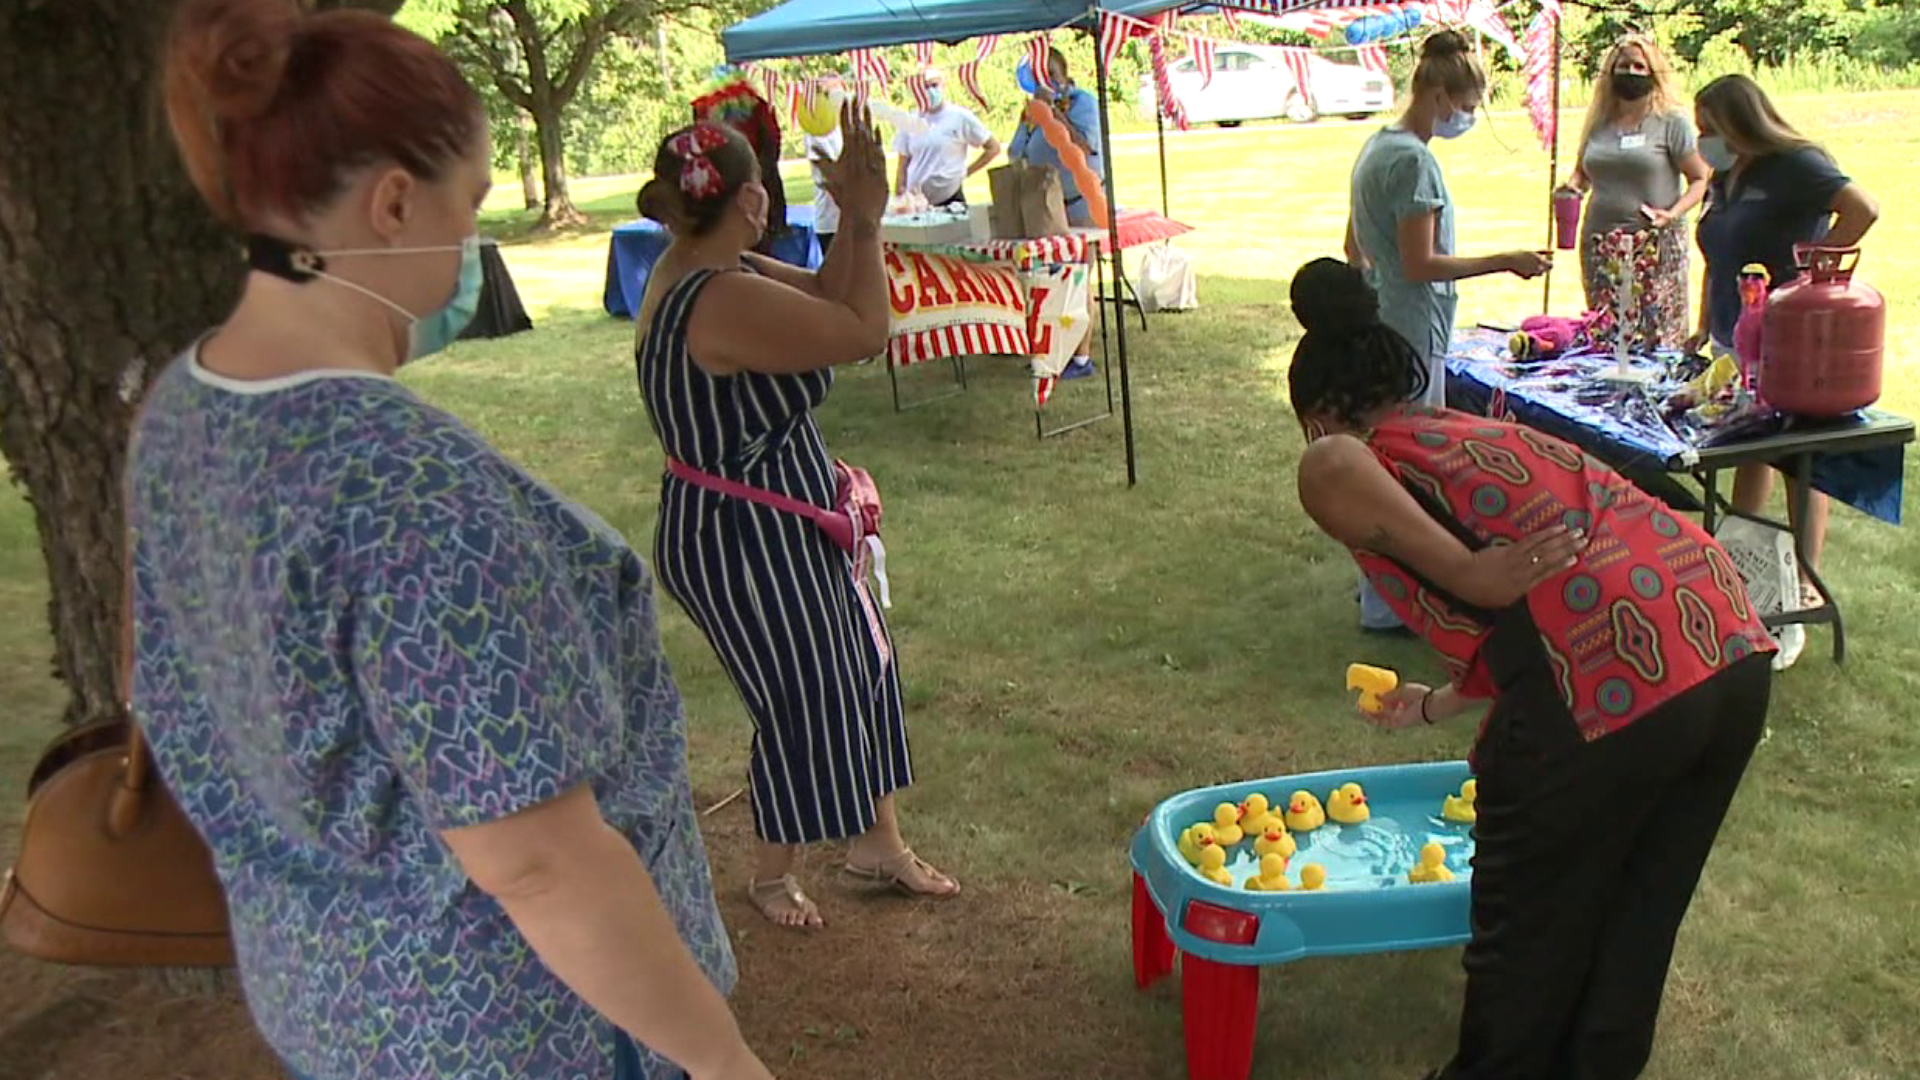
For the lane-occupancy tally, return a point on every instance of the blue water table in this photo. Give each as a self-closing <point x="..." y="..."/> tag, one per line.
<point x="1363" y="902"/>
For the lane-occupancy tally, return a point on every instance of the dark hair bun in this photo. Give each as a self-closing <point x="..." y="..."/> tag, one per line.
<point x="1444" y="43"/>
<point x="236" y="52"/>
<point x="660" y="201"/>
<point x="1332" y="297"/>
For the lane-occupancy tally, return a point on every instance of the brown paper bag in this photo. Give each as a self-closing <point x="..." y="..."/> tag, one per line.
<point x="1004" y="215"/>
<point x="1043" y="207"/>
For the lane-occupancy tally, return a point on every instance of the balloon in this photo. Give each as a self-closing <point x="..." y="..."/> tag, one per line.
<point x="819" y="114"/>
<point x="1042" y="116"/>
<point x="1024" y="75"/>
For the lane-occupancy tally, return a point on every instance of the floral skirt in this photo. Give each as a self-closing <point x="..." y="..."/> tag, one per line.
<point x="1658" y="256"/>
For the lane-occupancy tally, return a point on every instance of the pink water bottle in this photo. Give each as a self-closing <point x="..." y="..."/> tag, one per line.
<point x="1747" y="333"/>
<point x="1566" y="218"/>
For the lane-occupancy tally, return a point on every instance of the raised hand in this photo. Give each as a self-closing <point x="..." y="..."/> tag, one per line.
<point x="857" y="180"/>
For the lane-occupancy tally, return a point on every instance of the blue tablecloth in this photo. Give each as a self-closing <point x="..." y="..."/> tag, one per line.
<point x="633" y="249"/>
<point x="1629" y="429"/>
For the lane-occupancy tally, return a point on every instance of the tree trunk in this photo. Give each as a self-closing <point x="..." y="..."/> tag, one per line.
<point x="549" y="129"/>
<point x="523" y="152"/>
<point x="108" y="266"/>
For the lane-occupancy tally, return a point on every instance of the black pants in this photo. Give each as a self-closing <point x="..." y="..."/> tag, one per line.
<point x="1586" y="858"/>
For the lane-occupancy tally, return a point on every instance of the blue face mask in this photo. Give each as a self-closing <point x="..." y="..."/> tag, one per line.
<point x="1454" y="126"/>
<point x="936" y="96"/>
<point x="1715" y="152"/>
<point x="432" y="333"/>
<point x="426" y="334"/>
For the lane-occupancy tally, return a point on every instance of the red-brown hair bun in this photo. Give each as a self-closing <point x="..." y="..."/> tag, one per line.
<point x="272" y="108"/>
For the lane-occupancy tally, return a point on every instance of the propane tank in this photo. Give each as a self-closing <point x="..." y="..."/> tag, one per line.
<point x="1749" y="332"/>
<point x="1823" y="338"/>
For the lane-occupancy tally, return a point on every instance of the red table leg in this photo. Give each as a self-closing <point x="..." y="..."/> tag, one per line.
<point x="1220" y="1002"/>
<point x="1152" y="948"/>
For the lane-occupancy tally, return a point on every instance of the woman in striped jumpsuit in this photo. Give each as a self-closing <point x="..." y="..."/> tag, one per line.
<point x="734" y="353"/>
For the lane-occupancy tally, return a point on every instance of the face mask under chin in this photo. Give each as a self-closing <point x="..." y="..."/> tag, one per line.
<point x="426" y="334"/>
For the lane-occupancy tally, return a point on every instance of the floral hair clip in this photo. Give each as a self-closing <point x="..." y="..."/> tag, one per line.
<point x="698" y="176"/>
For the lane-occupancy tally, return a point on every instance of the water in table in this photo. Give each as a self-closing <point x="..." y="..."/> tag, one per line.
<point x="1373" y="855"/>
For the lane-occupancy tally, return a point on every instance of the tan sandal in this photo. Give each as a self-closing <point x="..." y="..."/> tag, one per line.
<point x="783" y="903"/>
<point x="896" y="872"/>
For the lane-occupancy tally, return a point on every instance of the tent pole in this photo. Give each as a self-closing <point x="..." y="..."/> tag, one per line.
<point x="1160" y="133"/>
<point x="1553" y="173"/>
<point x="1113" y="247"/>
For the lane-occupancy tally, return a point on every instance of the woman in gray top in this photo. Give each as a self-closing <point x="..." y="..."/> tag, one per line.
<point x="1636" y="150"/>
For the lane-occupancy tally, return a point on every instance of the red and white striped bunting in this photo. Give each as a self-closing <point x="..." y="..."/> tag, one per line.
<point x="1201" y="49"/>
<point x="986" y="47"/>
<point x="923" y="53"/>
<point x="917" y="89"/>
<point x="1374" y="58"/>
<point x="1037" y="47"/>
<point x="969" y="74"/>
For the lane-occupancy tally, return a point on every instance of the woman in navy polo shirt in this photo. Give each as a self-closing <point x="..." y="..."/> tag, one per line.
<point x="1772" y="188"/>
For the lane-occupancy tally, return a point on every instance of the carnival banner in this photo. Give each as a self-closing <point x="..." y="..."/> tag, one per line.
<point x="946" y="305"/>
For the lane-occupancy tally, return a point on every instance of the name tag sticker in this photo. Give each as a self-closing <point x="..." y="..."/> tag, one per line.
<point x="1633" y="142"/>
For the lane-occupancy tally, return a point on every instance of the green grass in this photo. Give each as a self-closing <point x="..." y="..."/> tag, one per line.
<point x="1075" y="651"/>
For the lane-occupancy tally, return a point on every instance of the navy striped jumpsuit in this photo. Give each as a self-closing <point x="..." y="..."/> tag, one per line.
<point x="773" y="595"/>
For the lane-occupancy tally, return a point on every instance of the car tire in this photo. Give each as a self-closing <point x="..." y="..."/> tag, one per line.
<point x="1359" y="116"/>
<point x="1299" y="110"/>
<point x="1229" y="123"/>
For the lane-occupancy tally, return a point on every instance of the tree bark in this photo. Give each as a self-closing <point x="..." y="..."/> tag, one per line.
<point x="523" y="153"/>
<point x="109" y="265"/>
<point x="549" y="129"/>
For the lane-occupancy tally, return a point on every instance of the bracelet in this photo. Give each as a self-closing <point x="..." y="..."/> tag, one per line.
<point x="1423" y="707"/>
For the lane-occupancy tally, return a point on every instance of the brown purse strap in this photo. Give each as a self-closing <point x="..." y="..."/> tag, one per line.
<point x="124" y="812"/>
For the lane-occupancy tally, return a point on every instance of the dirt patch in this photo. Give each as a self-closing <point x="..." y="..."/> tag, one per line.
<point x="980" y="986"/>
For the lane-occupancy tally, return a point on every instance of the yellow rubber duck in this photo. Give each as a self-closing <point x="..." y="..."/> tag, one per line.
<point x="1226" y="825"/>
<point x="1347" y="804"/>
<point x="1256" y="815"/>
<point x="1304" y="813"/>
<point x="1275" y="841"/>
<point x="1213" y="865"/>
<point x="1433" y="865"/>
<point x="1460" y="807"/>
<point x="1313" y="876"/>
<point x="1371" y="682"/>
<point x="1272" y="876"/>
<point x="1192" y="839"/>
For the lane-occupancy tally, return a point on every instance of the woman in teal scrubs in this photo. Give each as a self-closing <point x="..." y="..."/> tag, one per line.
<point x="1400" y="227"/>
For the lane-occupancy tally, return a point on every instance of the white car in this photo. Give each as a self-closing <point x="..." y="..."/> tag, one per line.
<point x="1252" y="82"/>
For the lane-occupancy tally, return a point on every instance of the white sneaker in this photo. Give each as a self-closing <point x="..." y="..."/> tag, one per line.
<point x="1792" y="641"/>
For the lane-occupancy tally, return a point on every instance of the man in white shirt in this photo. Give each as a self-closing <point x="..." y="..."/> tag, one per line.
<point x="934" y="162"/>
<point x="818" y="148"/>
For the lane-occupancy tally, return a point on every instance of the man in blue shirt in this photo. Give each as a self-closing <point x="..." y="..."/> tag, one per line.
<point x="1080" y="113"/>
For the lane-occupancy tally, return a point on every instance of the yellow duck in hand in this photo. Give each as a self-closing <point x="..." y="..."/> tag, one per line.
<point x="1460" y="807"/>
<point x="1347" y="804"/>
<point x="1272" y="876"/>
<point x="1313" y="876"/>
<point x="1433" y="865"/>
<point x="1256" y="815"/>
<point x="1226" y="825"/>
<point x="1275" y="841"/>
<point x="1371" y="682"/>
<point x="1192" y="839"/>
<point x="1304" y="813"/>
<point x="1213" y="865"/>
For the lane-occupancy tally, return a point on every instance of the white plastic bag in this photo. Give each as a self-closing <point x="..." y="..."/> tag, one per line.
<point x="1764" y="555"/>
<point x="1166" y="280"/>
